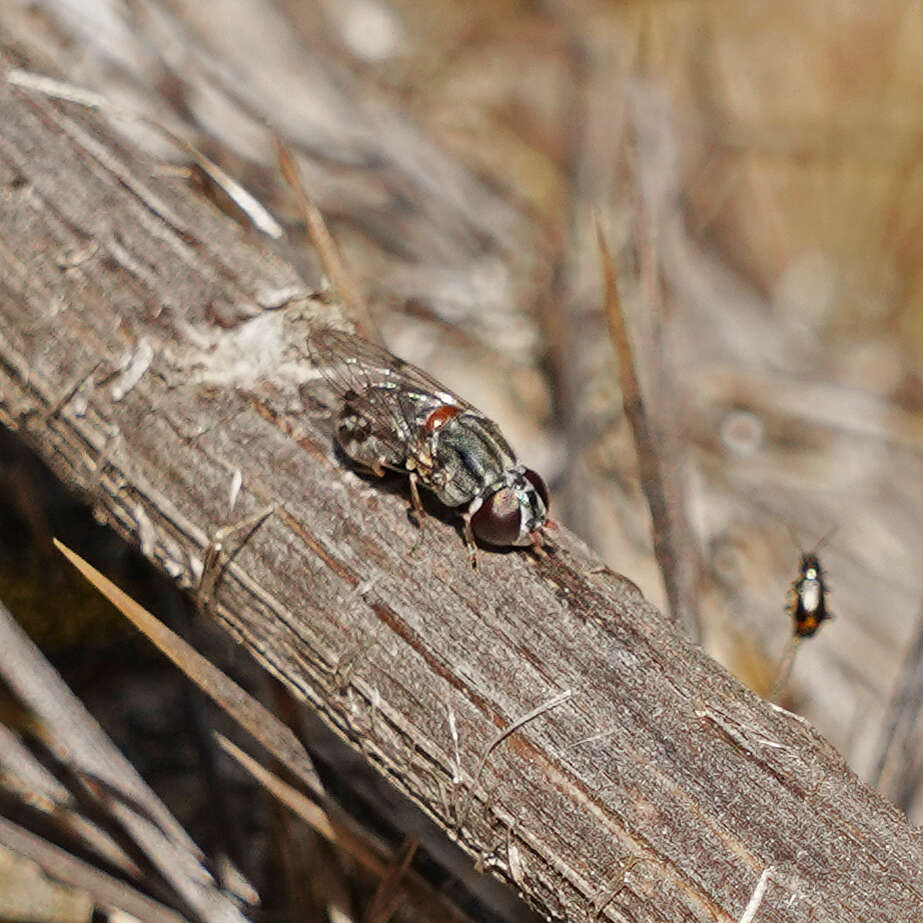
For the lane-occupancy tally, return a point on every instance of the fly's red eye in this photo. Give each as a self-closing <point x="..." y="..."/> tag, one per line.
<point x="539" y="485"/>
<point x="498" y="519"/>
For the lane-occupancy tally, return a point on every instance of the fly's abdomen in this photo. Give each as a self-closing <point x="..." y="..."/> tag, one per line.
<point x="356" y="435"/>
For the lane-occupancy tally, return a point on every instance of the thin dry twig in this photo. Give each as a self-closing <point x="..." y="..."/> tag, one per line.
<point x="278" y="739"/>
<point x="105" y="889"/>
<point x="331" y="260"/>
<point x="33" y="780"/>
<point x="667" y="519"/>
<point x="109" y="780"/>
<point x="898" y="765"/>
<point x="212" y="566"/>
<point x="307" y="809"/>
<point x="784" y="670"/>
<point x="389" y="894"/>
<point x="553" y="702"/>
<point x="359" y="844"/>
<point x="258" y="214"/>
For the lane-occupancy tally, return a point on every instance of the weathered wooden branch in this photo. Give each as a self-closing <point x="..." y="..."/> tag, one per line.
<point x="146" y="352"/>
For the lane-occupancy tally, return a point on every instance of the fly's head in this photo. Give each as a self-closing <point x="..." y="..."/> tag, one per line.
<point x="511" y="511"/>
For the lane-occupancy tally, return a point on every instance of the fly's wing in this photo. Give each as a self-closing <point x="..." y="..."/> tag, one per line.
<point x="394" y="395"/>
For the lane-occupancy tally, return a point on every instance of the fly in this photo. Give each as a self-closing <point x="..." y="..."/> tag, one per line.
<point x="393" y="416"/>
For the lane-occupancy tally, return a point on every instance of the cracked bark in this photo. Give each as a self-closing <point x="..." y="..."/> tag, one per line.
<point x="144" y="353"/>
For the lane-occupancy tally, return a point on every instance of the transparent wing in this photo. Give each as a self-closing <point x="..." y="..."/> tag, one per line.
<point x="394" y="395"/>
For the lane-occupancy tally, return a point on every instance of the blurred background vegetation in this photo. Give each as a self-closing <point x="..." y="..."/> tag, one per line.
<point x="757" y="168"/>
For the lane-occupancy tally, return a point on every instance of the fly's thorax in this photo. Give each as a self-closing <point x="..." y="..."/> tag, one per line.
<point x="469" y="455"/>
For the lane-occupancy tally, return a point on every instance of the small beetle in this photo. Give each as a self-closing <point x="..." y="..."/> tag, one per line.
<point x="394" y="416"/>
<point x="808" y="603"/>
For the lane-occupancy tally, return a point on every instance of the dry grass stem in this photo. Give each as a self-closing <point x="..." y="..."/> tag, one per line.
<point x="242" y="707"/>
<point x="784" y="670"/>
<point x="329" y="253"/>
<point x="667" y="518"/>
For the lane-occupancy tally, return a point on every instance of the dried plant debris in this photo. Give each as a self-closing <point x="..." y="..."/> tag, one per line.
<point x="101" y="780"/>
<point x="397" y="884"/>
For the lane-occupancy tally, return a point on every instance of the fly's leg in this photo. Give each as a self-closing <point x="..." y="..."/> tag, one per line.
<point x="541" y="543"/>
<point x="376" y="466"/>
<point x="416" y="513"/>
<point x="469" y="541"/>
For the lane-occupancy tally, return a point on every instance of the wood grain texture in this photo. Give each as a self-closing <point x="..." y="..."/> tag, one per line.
<point x="145" y="352"/>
